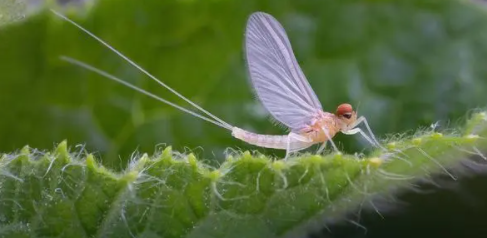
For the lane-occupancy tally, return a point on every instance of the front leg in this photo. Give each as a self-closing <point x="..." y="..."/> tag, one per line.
<point x="358" y="130"/>
<point x="353" y="129"/>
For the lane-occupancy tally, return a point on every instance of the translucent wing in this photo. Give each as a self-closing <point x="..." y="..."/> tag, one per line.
<point x="275" y="74"/>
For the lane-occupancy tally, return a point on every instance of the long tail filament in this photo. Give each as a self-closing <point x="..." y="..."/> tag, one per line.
<point x="215" y="120"/>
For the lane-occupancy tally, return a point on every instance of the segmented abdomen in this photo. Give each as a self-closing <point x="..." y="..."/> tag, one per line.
<point x="269" y="141"/>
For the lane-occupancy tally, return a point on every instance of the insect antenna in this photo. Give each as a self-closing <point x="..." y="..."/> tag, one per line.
<point x="358" y="107"/>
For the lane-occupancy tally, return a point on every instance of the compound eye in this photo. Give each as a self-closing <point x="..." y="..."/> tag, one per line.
<point x="344" y="110"/>
<point x="347" y="115"/>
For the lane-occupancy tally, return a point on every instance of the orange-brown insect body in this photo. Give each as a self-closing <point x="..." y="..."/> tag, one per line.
<point x="327" y="120"/>
<point x="334" y="123"/>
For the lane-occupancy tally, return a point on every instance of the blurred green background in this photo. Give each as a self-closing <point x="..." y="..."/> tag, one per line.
<point x="407" y="63"/>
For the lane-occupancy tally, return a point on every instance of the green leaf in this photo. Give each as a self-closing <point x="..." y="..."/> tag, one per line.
<point x="68" y="194"/>
<point x="408" y="63"/>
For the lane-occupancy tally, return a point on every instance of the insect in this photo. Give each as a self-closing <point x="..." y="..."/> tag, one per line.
<point x="280" y="86"/>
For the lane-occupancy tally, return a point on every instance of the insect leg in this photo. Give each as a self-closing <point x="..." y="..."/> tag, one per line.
<point x="358" y="130"/>
<point x="322" y="147"/>
<point x="325" y="130"/>
<point x="371" y="139"/>
<point x="296" y="138"/>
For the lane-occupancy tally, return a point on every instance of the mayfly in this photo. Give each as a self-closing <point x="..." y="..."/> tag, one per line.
<point x="280" y="86"/>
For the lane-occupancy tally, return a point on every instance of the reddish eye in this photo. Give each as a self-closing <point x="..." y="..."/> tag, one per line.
<point x="345" y="110"/>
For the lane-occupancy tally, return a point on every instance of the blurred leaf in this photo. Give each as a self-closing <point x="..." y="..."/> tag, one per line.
<point x="408" y="64"/>
<point x="63" y="194"/>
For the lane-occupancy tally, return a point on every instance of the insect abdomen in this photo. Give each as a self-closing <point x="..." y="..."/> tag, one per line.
<point x="267" y="141"/>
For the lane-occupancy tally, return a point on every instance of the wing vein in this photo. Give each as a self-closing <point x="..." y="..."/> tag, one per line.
<point x="275" y="74"/>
